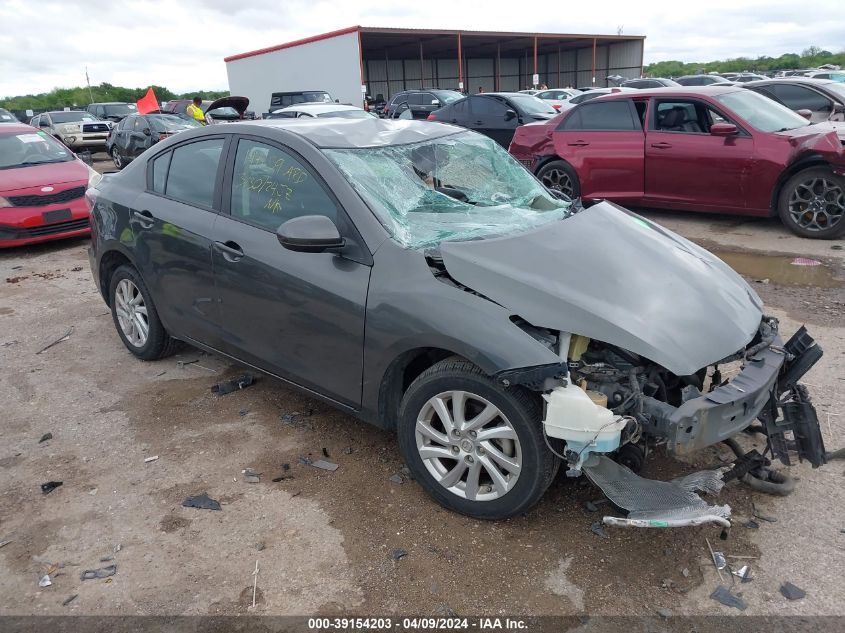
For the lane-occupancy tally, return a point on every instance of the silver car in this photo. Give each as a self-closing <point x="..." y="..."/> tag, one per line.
<point x="78" y="130"/>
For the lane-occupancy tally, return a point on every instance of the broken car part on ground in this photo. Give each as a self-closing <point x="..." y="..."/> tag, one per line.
<point x="426" y="282"/>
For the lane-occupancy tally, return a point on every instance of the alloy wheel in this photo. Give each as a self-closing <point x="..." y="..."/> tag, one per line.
<point x="558" y="180"/>
<point x="468" y="445"/>
<point x="132" y="313"/>
<point x="118" y="161"/>
<point x="817" y="204"/>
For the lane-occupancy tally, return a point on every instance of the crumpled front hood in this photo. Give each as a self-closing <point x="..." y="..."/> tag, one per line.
<point x="613" y="276"/>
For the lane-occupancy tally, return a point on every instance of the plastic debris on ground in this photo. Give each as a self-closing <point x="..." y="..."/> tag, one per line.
<point x="203" y="502"/>
<point x="4" y="543"/>
<point x="50" y="486"/>
<point x="241" y="382"/>
<point x="744" y="573"/>
<point x="103" y="572"/>
<point x="598" y="529"/>
<point x="45" y="437"/>
<point x="70" y="599"/>
<point x="791" y="592"/>
<point x="250" y="476"/>
<point x="147" y="460"/>
<point x="723" y="594"/>
<point x="323" y="464"/>
<point x="652" y="503"/>
<point x="398" y="553"/>
<point x="45" y="581"/>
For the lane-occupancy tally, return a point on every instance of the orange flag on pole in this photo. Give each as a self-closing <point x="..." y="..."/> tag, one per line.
<point x="147" y="103"/>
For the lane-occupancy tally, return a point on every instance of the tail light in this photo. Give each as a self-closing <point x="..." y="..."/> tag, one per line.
<point x="431" y="117"/>
<point x="366" y="107"/>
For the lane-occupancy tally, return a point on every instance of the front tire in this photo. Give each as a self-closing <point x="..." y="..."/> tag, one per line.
<point x="135" y="316"/>
<point x="116" y="158"/>
<point x="476" y="447"/>
<point x="812" y="204"/>
<point x="560" y="176"/>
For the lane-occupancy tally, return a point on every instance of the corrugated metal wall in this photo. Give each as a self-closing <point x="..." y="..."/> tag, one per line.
<point x="573" y="68"/>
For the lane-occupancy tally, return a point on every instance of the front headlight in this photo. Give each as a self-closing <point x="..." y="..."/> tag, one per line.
<point x="94" y="178"/>
<point x="71" y="128"/>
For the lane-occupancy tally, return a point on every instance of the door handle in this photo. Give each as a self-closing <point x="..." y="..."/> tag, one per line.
<point x="231" y="250"/>
<point x="578" y="144"/>
<point x="661" y="145"/>
<point x="144" y="218"/>
<point x="479" y="122"/>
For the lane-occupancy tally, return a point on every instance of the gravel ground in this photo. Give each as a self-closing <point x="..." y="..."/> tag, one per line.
<point x="326" y="542"/>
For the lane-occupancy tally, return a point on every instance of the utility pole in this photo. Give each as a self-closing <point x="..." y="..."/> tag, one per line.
<point x="88" y="81"/>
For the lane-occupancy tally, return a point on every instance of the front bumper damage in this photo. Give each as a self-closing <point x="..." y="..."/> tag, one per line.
<point x="767" y="389"/>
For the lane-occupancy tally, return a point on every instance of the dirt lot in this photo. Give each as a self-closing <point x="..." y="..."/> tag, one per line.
<point x="325" y="542"/>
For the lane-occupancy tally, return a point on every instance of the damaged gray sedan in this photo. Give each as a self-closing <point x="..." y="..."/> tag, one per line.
<point x="418" y="277"/>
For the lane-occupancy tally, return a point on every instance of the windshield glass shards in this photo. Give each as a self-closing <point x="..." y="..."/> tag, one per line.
<point x="458" y="187"/>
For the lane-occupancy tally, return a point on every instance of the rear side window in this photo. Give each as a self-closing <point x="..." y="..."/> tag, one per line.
<point x="799" y="98"/>
<point x="415" y="98"/>
<point x="160" y="166"/>
<point x="193" y="172"/>
<point x="609" y="116"/>
<point x="271" y="186"/>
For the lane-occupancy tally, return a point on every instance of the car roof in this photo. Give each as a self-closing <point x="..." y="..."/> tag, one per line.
<point x="318" y="107"/>
<point x="355" y="133"/>
<point x="17" y="128"/>
<point x="110" y="103"/>
<point x="808" y="81"/>
<point x="65" y="112"/>
<point x="679" y="91"/>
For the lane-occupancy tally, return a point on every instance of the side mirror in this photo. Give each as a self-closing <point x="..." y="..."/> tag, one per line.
<point x="722" y="129"/>
<point x="804" y="112"/>
<point x="147" y="131"/>
<point x="310" y="234"/>
<point x="43" y="123"/>
<point x="838" y="108"/>
<point x="510" y="115"/>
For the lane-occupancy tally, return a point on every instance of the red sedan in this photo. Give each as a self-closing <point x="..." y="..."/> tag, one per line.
<point x="712" y="149"/>
<point x="42" y="188"/>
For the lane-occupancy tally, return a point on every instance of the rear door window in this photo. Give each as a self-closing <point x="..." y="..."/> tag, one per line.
<point x="192" y="175"/>
<point x="160" y="165"/>
<point x="608" y="116"/>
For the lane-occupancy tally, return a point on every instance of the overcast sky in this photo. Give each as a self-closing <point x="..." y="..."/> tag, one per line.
<point x="181" y="44"/>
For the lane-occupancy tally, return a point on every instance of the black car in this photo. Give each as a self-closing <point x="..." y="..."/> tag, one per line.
<point x="495" y="114"/>
<point x="421" y="103"/>
<point x="138" y="132"/>
<point x="701" y="80"/>
<point x="111" y="111"/>
<point x="824" y="98"/>
<point x="650" y="82"/>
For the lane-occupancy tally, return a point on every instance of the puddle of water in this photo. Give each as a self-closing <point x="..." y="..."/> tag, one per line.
<point x="779" y="269"/>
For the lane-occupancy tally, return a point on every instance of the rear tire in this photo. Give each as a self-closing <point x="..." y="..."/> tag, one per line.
<point x="560" y="176"/>
<point x="135" y="316"/>
<point x="485" y="468"/>
<point x="812" y="204"/>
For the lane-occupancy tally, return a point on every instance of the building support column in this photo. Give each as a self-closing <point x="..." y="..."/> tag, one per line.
<point x="422" y="67"/>
<point x="498" y="67"/>
<point x="535" y="64"/>
<point x="594" y="63"/>
<point x="460" y="66"/>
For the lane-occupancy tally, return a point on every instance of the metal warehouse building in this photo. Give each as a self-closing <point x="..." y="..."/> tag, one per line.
<point x="385" y="61"/>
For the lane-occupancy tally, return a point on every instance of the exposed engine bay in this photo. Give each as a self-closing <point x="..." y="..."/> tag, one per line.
<point x="607" y="401"/>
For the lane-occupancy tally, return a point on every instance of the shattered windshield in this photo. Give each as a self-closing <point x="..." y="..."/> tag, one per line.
<point x="458" y="187"/>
